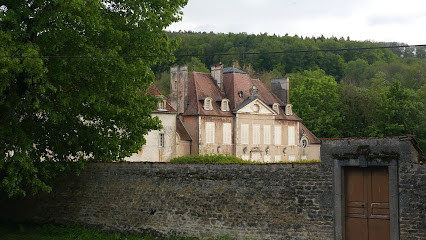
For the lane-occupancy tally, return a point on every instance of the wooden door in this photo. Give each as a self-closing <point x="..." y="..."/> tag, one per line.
<point x="367" y="203"/>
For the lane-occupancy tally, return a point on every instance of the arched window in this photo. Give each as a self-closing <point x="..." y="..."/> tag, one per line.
<point x="288" y="110"/>
<point x="276" y="107"/>
<point x="208" y="104"/>
<point x="225" y="105"/>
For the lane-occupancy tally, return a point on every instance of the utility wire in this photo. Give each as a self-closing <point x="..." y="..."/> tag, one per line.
<point x="225" y="54"/>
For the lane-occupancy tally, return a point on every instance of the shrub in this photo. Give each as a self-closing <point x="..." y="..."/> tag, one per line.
<point x="221" y="158"/>
<point x="215" y="158"/>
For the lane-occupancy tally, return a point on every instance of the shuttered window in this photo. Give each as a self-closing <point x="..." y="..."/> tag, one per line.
<point x="277" y="135"/>
<point x="244" y="133"/>
<point x="267" y="134"/>
<point x="210" y="132"/>
<point x="227" y="133"/>
<point x="291" y="136"/>
<point x="256" y="134"/>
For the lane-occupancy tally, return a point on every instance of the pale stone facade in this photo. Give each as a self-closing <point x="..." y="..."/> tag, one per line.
<point x="169" y="142"/>
<point x="160" y="145"/>
<point x="227" y="112"/>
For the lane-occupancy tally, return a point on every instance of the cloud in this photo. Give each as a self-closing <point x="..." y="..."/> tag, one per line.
<point x="391" y="19"/>
<point x="377" y="20"/>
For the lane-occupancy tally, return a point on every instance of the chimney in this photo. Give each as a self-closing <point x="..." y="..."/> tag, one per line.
<point x="281" y="88"/>
<point x="217" y="75"/>
<point x="179" y="87"/>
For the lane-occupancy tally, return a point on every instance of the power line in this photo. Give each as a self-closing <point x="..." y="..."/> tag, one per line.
<point x="225" y="54"/>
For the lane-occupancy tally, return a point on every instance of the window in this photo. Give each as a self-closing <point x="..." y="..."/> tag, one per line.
<point x="225" y="105"/>
<point x="291" y="135"/>
<point x="276" y="107"/>
<point x="256" y="134"/>
<point x="277" y="158"/>
<point x="162" y="105"/>
<point x="304" y="143"/>
<point x="161" y="140"/>
<point x="267" y="134"/>
<point x="227" y="133"/>
<point x="244" y="133"/>
<point x="209" y="132"/>
<point x="288" y="110"/>
<point x="208" y="104"/>
<point x="277" y="135"/>
<point x="240" y="94"/>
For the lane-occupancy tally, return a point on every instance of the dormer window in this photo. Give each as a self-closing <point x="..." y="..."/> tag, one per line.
<point x="288" y="110"/>
<point x="240" y="94"/>
<point x="162" y="104"/>
<point x="208" y="104"/>
<point x="276" y="107"/>
<point x="225" y="105"/>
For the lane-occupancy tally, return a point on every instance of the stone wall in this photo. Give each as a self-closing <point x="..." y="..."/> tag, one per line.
<point x="260" y="201"/>
<point x="281" y="201"/>
<point x="407" y="179"/>
<point x="412" y="200"/>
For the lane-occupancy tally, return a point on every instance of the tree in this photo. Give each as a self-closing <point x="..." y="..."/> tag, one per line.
<point x="58" y="112"/>
<point x="315" y="99"/>
<point x="399" y="112"/>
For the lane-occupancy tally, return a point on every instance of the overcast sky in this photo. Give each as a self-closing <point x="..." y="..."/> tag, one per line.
<point x="375" y="20"/>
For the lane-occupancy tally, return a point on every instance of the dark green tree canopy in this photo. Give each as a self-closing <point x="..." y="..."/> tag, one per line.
<point x="72" y="107"/>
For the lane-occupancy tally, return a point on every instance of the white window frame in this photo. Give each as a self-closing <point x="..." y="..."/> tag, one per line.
<point x="208" y="104"/>
<point x="277" y="135"/>
<point x="244" y="134"/>
<point x="225" y="105"/>
<point x="256" y="134"/>
<point x="210" y="130"/>
<point x="291" y="135"/>
<point x="267" y="134"/>
<point x="276" y="107"/>
<point x="227" y="133"/>
<point x="288" y="110"/>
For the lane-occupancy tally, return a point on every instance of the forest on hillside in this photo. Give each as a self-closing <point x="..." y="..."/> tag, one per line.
<point x="337" y="93"/>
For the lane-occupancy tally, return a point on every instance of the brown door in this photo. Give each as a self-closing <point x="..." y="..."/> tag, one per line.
<point x="367" y="203"/>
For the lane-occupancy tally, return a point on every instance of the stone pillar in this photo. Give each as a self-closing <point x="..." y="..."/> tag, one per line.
<point x="281" y="88"/>
<point x="217" y="75"/>
<point x="179" y="87"/>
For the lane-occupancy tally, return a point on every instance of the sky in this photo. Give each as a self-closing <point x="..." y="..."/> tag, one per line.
<point x="374" y="20"/>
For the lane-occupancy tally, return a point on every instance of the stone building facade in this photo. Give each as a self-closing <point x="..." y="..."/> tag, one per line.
<point x="169" y="142"/>
<point x="228" y="112"/>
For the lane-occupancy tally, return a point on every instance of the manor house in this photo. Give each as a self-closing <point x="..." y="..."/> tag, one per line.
<point x="228" y="112"/>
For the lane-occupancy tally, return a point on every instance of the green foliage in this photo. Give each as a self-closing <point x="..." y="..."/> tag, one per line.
<point x="66" y="110"/>
<point x="399" y="112"/>
<point x="332" y="63"/>
<point x="315" y="99"/>
<point x="219" y="158"/>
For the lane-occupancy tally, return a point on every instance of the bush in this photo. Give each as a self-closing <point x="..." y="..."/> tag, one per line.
<point x="221" y="158"/>
<point x="215" y="158"/>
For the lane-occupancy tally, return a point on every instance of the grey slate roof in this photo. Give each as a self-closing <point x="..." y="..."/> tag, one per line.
<point x="233" y="70"/>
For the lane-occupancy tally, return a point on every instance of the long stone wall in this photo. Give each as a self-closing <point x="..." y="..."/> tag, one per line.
<point x="277" y="201"/>
<point x="242" y="201"/>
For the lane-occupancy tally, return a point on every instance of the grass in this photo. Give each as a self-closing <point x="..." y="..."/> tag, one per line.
<point x="9" y="231"/>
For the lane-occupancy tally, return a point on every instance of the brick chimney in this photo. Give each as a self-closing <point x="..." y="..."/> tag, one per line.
<point x="217" y="75"/>
<point x="179" y="87"/>
<point x="281" y="88"/>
